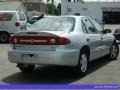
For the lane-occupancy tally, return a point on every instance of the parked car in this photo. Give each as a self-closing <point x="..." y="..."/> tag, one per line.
<point x="35" y="19"/>
<point x="32" y="20"/>
<point x="117" y="34"/>
<point x="62" y="40"/>
<point x="11" y="22"/>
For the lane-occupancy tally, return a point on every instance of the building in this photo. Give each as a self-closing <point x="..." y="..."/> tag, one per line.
<point x="34" y="5"/>
<point x="8" y="0"/>
<point x="31" y="5"/>
<point x="108" y="12"/>
<point x="12" y="6"/>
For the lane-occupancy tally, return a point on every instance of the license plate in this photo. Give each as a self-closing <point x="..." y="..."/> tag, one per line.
<point x="28" y="57"/>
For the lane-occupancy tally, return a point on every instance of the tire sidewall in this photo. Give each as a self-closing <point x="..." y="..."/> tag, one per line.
<point x="80" y="72"/>
<point x="116" y="44"/>
<point x="28" y="68"/>
<point x="4" y="35"/>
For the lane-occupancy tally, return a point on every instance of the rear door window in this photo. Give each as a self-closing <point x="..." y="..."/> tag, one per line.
<point x="84" y="29"/>
<point x="88" y="26"/>
<point x="97" y="26"/>
<point x="6" y="16"/>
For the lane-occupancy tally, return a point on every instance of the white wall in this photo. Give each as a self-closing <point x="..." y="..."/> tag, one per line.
<point x="94" y="9"/>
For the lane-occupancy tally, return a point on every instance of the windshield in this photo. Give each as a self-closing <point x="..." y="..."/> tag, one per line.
<point x="55" y="24"/>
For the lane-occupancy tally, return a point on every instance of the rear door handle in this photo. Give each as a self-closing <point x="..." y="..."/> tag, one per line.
<point x="101" y="38"/>
<point x="88" y="39"/>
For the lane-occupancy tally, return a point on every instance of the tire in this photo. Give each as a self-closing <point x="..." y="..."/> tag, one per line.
<point x="4" y="37"/>
<point x="114" y="51"/>
<point x="83" y="63"/>
<point x="25" y="68"/>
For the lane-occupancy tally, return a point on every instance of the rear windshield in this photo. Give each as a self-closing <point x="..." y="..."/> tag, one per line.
<point x="55" y="24"/>
<point x="7" y="16"/>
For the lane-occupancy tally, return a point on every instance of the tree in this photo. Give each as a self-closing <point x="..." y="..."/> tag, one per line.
<point x="53" y="9"/>
<point x="59" y="9"/>
<point x="52" y="1"/>
<point x="48" y="1"/>
<point x="50" y="8"/>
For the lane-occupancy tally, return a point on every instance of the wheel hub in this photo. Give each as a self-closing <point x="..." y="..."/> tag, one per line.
<point x="83" y="63"/>
<point x="3" y="37"/>
<point x="114" y="51"/>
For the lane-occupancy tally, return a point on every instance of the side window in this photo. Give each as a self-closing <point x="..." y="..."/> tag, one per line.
<point x="21" y="17"/>
<point x="6" y="16"/>
<point x="97" y="26"/>
<point x="84" y="28"/>
<point x="90" y="28"/>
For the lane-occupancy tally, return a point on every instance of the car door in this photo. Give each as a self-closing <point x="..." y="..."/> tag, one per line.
<point x="93" y="39"/>
<point x="105" y="38"/>
<point x="5" y="18"/>
<point x="2" y="22"/>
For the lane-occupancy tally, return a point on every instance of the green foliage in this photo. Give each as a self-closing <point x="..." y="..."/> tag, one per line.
<point x="59" y="9"/>
<point x="53" y="9"/>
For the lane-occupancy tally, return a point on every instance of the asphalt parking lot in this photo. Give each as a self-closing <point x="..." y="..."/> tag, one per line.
<point x="102" y="71"/>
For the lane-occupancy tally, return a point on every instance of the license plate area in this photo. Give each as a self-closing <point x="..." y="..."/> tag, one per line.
<point x="29" y="57"/>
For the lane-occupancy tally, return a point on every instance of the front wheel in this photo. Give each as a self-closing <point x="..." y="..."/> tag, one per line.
<point x="83" y="63"/>
<point x="114" y="51"/>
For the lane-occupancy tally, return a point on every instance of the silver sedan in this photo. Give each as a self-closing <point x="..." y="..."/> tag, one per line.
<point x="62" y="40"/>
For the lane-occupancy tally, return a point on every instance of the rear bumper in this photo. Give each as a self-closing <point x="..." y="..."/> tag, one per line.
<point x="58" y="57"/>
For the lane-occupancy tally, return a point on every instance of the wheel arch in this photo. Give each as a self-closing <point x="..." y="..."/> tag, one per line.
<point x="5" y="32"/>
<point x="87" y="49"/>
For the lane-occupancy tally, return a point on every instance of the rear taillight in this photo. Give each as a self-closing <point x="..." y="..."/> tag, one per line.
<point x="14" y="40"/>
<point x="17" y="24"/>
<point x="63" y="41"/>
<point x="35" y="40"/>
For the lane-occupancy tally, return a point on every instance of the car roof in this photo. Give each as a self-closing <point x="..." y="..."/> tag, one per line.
<point x="79" y="17"/>
<point x="63" y="16"/>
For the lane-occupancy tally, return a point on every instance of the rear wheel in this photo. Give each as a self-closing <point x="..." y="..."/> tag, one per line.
<point x="83" y="63"/>
<point x="114" y="51"/>
<point x="4" y="37"/>
<point x="25" y="68"/>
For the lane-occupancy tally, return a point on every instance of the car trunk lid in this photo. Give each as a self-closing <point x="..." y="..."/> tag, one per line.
<point x="38" y="40"/>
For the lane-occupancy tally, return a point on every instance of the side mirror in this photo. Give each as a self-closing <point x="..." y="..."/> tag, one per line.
<point x="107" y="31"/>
